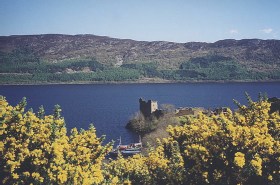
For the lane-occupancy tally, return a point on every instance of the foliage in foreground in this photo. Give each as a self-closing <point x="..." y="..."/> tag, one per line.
<point x="239" y="147"/>
<point x="35" y="149"/>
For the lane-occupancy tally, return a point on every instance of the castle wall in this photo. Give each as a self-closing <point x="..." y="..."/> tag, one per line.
<point x="147" y="108"/>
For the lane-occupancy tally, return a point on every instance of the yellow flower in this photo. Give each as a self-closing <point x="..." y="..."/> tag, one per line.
<point x="257" y="165"/>
<point x="62" y="177"/>
<point x="1" y="146"/>
<point x="239" y="159"/>
<point x="27" y="174"/>
<point x="127" y="182"/>
<point x="35" y="175"/>
<point x="115" y="180"/>
<point x="15" y="175"/>
<point x="205" y="176"/>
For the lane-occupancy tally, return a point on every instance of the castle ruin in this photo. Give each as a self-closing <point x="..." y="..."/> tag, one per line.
<point x="148" y="108"/>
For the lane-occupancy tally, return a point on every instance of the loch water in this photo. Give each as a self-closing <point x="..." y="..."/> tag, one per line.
<point x="110" y="106"/>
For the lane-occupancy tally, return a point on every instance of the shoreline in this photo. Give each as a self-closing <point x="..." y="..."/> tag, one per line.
<point x="144" y="81"/>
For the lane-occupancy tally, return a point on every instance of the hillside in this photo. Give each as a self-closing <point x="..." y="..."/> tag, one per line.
<point x="90" y="58"/>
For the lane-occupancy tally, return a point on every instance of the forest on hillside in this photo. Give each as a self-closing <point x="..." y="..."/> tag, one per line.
<point x="24" y="67"/>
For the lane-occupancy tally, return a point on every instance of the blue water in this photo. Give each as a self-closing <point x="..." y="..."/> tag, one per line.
<point x="109" y="106"/>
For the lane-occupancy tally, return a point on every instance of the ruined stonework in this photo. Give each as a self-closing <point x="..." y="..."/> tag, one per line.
<point x="148" y="108"/>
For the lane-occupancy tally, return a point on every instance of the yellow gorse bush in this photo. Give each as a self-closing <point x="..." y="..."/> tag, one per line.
<point x="240" y="147"/>
<point x="36" y="149"/>
<point x="231" y="148"/>
<point x="239" y="159"/>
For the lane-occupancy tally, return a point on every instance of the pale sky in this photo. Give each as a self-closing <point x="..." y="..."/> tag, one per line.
<point x="149" y="20"/>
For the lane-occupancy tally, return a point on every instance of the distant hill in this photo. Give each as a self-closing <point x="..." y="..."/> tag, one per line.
<point x="90" y="58"/>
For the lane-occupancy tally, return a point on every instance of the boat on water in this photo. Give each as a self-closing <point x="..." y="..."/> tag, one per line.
<point x="127" y="150"/>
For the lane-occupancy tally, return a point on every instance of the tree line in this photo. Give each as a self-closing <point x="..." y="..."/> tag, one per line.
<point x="23" y="66"/>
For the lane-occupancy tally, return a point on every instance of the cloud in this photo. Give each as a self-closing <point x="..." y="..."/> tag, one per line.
<point x="267" y="30"/>
<point x="233" y="31"/>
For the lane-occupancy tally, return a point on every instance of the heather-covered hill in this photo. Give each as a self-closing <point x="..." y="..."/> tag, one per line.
<point x="248" y="59"/>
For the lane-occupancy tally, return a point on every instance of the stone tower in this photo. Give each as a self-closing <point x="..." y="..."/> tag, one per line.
<point x="147" y="108"/>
